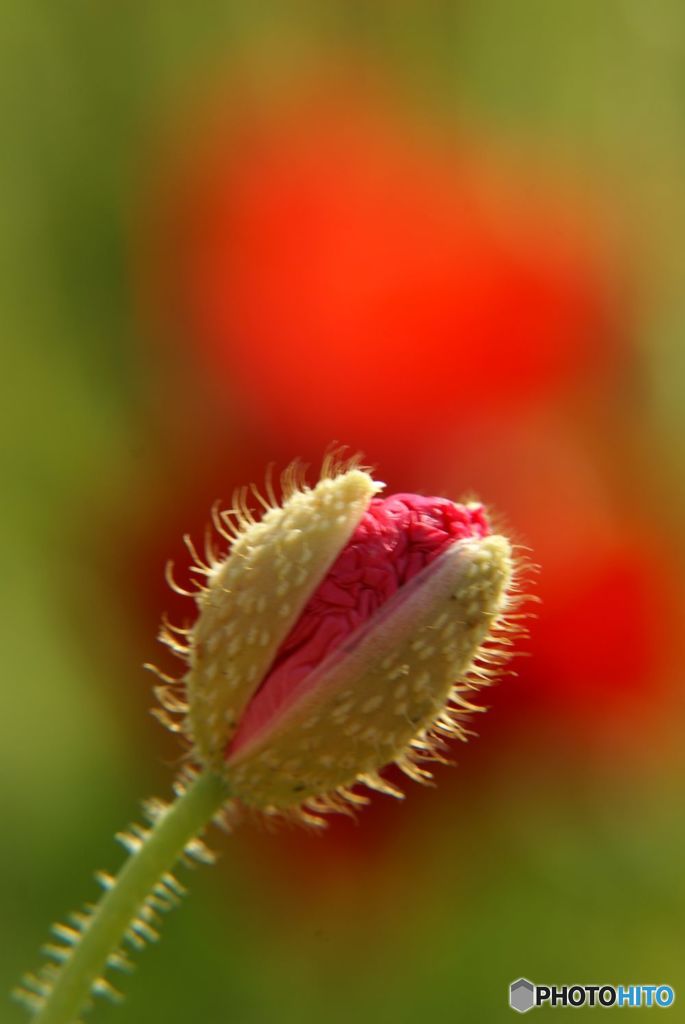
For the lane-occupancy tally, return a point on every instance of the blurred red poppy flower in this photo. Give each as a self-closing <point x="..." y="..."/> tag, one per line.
<point x="606" y="647"/>
<point x="349" y="277"/>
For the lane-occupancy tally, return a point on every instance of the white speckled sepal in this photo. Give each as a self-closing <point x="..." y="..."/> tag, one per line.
<point x="370" y="702"/>
<point x="253" y="598"/>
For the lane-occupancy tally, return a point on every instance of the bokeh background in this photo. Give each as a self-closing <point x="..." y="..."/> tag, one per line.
<point x="450" y="235"/>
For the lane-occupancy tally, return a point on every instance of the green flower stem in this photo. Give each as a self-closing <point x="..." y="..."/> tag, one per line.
<point x="119" y="906"/>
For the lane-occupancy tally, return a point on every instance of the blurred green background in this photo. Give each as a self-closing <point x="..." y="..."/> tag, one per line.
<point x="452" y="235"/>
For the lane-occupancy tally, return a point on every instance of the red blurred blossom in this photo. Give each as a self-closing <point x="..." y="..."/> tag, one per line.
<point x="349" y="276"/>
<point x="606" y="647"/>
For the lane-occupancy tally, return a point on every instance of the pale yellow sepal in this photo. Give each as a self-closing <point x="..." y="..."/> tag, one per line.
<point x="253" y="598"/>
<point x="377" y="699"/>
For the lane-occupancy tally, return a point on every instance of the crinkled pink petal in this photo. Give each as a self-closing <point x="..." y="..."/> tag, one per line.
<point x="397" y="537"/>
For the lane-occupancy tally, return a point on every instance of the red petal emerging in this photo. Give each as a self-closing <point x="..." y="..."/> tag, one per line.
<point x="397" y="537"/>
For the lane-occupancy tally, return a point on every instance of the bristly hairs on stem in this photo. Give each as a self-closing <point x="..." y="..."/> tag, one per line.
<point x="88" y="946"/>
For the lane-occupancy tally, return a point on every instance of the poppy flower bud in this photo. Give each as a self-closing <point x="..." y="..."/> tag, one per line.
<point x="341" y="633"/>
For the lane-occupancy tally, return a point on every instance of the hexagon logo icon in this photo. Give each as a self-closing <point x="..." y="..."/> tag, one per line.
<point x="522" y="995"/>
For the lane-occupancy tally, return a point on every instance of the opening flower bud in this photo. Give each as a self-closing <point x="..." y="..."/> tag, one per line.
<point x="342" y="632"/>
